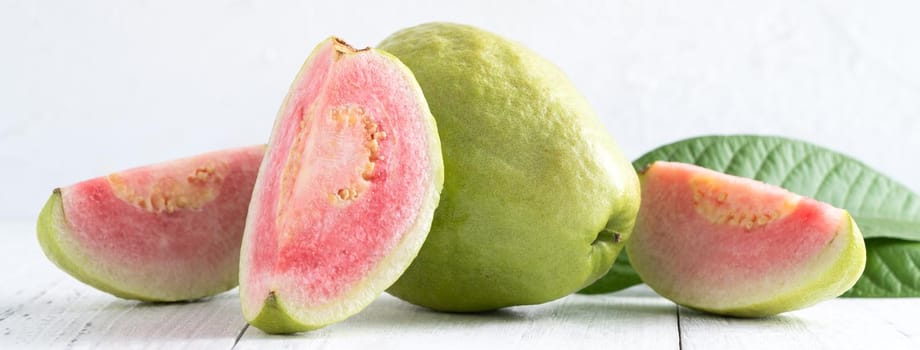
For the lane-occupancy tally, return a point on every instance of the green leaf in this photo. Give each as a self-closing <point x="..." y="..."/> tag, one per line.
<point x="887" y="212"/>
<point x="891" y="269"/>
<point x="621" y="276"/>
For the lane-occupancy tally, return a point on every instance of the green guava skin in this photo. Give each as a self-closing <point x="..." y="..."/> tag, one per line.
<point x="538" y="200"/>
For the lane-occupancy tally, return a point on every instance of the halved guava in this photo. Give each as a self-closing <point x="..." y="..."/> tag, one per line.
<point x="736" y="246"/>
<point x="346" y="193"/>
<point x="163" y="232"/>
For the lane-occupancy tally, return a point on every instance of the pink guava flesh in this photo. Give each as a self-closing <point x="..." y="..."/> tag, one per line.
<point x="715" y="241"/>
<point x="349" y="169"/>
<point x="163" y="232"/>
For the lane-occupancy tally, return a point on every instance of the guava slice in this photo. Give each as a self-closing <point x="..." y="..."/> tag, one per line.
<point x="735" y="246"/>
<point x="345" y="195"/>
<point x="164" y="232"/>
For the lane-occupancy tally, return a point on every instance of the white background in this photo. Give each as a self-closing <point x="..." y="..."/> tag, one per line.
<point x="91" y="87"/>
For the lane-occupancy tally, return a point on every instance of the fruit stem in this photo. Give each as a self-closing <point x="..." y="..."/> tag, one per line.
<point x="608" y="235"/>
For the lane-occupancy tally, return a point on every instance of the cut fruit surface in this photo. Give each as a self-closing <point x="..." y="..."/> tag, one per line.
<point x="736" y="246"/>
<point x="345" y="195"/>
<point x="164" y="232"/>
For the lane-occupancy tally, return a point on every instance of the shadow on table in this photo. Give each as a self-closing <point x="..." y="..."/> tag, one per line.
<point x="619" y="306"/>
<point x="390" y="311"/>
<point x="781" y="320"/>
<point x="389" y="315"/>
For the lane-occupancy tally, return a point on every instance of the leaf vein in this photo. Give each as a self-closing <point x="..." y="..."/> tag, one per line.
<point x="795" y="165"/>
<point x="826" y="177"/>
<point x="735" y="152"/>
<point x="765" y="160"/>
<point x="697" y="157"/>
<point x="846" y="196"/>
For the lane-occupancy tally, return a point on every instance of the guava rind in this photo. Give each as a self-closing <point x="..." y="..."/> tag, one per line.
<point x="273" y="318"/>
<point x="537" y="199"/>
<point x="51" y="228"/>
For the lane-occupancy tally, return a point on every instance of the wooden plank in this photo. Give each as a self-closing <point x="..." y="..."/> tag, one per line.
<point x="900" y="313"/>
<point x="20" y="256"/>
<point x="835" y="324"/>
<point x="42" y="307"/>
<point x="72" y="315"/>
<point x="635" y="317"/>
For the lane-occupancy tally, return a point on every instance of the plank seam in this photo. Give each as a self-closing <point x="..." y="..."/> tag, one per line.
<point x="680" y="338"/>
<point x="239" y="336"/>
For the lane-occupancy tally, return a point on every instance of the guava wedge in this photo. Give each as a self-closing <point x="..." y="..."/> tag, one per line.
<point x="345" y="195"/>
<point x="164" y="232"/>
<point x="735" y="246"/>
<point x="538" y="200"/>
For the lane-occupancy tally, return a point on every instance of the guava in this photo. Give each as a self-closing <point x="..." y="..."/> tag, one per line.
<point x="163" y="232"/>
<point x="345" y="195"/>
<point x="735" y="246"/>
<point x="538" y="200"/>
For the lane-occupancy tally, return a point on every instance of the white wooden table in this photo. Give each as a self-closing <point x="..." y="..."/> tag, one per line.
<point x="42" y="307"/>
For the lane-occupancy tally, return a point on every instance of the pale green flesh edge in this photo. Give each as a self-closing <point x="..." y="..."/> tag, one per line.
<point x="275" y="316"/>
<point x="51" y="228"/>
<point x="835" y="281"/>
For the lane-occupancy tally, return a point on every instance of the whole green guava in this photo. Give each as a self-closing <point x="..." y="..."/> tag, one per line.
<point x="537" y="200"/>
